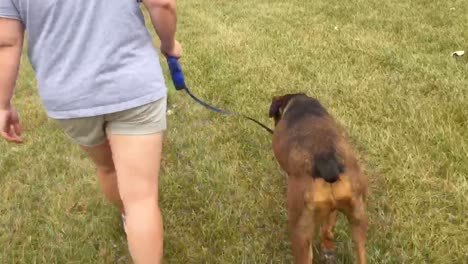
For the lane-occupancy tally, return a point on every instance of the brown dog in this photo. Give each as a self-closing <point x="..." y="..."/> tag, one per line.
<point x="323" y="176"/>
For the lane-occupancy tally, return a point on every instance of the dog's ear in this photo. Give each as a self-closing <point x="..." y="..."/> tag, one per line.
<point x="278" y="103"/>
<point x="275" y="107"/>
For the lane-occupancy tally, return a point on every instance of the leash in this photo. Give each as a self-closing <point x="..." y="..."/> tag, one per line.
<point x="179" y="83"/>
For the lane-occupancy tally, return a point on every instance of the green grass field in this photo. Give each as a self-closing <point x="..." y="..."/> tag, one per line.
<point x="382" y="68"/>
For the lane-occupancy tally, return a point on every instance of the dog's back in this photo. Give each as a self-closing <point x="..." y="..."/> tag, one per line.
<point x="307" y="139"/>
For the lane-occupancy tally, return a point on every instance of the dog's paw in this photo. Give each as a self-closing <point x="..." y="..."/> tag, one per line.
<point x="328" y="257"/>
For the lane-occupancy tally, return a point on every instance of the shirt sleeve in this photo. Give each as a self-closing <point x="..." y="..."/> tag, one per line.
<point x="9" y="10"/>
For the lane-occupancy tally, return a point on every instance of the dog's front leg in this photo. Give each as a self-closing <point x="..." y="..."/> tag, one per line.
<point x="327" y="241"/>
<point x="358" y="220"/>
<point x="300" y="222"/>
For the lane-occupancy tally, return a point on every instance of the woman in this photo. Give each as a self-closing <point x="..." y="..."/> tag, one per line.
<point x="99" y="77"/>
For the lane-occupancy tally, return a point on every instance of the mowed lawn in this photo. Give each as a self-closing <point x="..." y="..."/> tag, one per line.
<point x="382" y="68"/>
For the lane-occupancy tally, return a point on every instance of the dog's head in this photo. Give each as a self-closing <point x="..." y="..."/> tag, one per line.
<point x="279" y="104"/>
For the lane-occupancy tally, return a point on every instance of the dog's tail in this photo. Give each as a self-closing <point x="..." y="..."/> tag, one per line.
<point x="328" y="167"/>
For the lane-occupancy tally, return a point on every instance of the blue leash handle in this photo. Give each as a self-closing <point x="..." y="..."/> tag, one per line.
<point x="179" y="83"/>
<point x="176" y="73"/>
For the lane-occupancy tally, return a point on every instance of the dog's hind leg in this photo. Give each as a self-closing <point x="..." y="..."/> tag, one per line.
<point x="300" y="220"/>
<point x="358" y="220"/>
<point x="302" y="237"/>
<point x="328" y="246"/>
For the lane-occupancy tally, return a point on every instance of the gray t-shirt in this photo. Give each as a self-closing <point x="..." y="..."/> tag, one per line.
<point x="91" y="57"/>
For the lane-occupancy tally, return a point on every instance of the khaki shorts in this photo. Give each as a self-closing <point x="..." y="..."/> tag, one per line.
<point x="93" y="131"/>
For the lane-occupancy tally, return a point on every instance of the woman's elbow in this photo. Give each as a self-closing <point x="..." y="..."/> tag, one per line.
<point x="9" y="42"/>
<point x="170" y="4"/>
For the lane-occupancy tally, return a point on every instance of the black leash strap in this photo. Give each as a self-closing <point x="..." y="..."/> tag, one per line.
<point x="179" y="83"/>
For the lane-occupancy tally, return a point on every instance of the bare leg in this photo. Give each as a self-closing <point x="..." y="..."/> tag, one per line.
<point x="102" y="157"/>
<point x="137" y="160"/>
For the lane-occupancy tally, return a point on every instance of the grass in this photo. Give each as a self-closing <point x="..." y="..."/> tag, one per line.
<point x="383" y="68"/>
